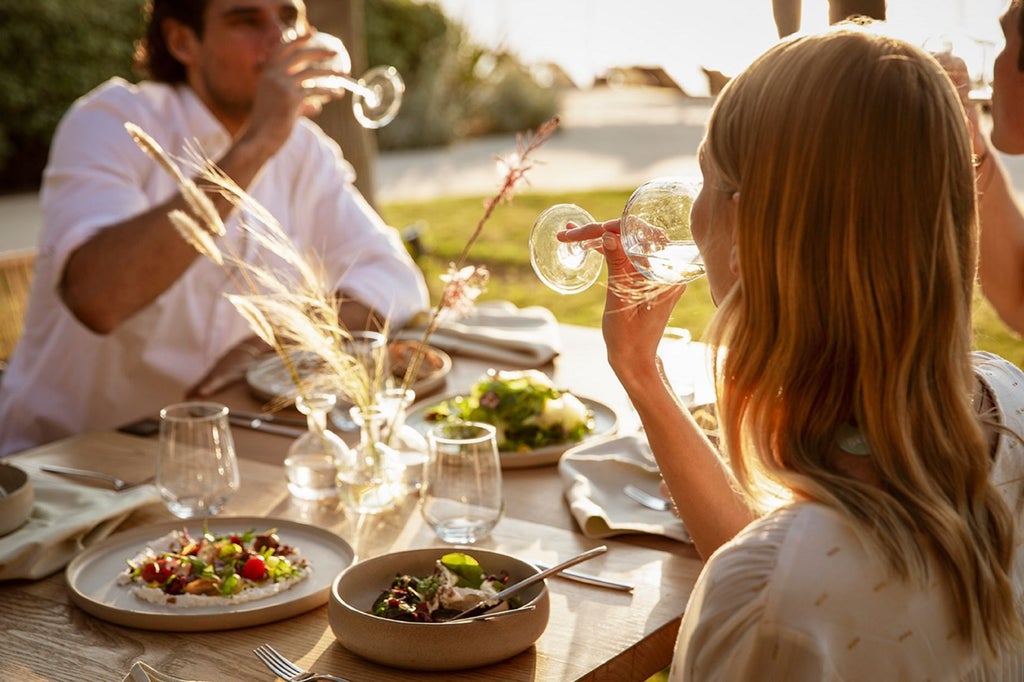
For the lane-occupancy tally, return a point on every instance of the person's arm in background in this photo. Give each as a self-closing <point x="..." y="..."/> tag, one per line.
<point x="1001" y="245"/>
<point x="787" y="16"/>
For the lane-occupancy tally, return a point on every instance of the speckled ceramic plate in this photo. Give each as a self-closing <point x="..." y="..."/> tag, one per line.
<point x="92" y="578"/>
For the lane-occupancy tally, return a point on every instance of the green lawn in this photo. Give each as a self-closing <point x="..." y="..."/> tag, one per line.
<point x="447" y="224"/>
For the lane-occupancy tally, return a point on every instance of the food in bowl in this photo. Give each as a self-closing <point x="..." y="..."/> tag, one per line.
<point x="525" y="408"/>
<point x="16" y="505"/>
<point x="458" y="582"/>
<point x="414" y="645"/>
<point x="401" y="354"/>
<point x="181" y="570"/>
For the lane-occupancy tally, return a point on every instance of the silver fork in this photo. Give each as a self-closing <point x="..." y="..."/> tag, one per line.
<point x="286" y="670"/>
<point x="648" y="500"/>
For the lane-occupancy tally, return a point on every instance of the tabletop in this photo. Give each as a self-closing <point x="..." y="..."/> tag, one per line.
<point x="593" y="633"/>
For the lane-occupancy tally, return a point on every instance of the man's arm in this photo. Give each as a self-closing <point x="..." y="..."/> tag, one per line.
<point x="125" y="266"/>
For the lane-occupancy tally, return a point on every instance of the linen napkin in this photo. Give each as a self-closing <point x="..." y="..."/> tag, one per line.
<point x="594" y="475"/>
<point x="498" y="331"/>
<point x="65" y="519"/>
<point x="141" y="672"/>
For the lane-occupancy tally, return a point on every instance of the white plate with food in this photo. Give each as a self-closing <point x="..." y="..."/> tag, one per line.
<point x="93" y="577"/>
<point x="520" y="386"/>
<point x="269" y="379"/>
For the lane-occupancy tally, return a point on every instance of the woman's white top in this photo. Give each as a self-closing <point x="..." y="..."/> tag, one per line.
<point x="795" y="596"/>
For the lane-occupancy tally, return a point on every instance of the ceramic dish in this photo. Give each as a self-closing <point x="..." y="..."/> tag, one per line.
<point x="432" y="646"/>
<point x="605" y="424"/>
<point x="268" y="379"/>
<point x="16" y="504"/>
<point x="92" y="579"/>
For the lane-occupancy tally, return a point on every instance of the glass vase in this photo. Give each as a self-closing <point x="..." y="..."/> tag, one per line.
<point x="370" y="477"/>
<point x="313" y="459"/>
<point x="410" y="444"/>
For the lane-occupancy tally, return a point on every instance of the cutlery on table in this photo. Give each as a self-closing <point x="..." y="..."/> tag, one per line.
<point x="655" y="502"/>
<point x="486" y="605"/>
<point x="286" y="670"/>
<point x="271" y="418"/>
<point x="264" y="425"/>
<point x="588" y="579"/>
<point x="117" y="483"/>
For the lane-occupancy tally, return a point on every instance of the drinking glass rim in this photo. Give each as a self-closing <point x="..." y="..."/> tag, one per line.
<point x="488" y="432"/>
<point x="182" y="412"/>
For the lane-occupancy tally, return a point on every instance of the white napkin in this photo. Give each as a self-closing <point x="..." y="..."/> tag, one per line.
<point x="594" y="475"/>
<point x="66" y="518"/>
<point x="141" y="672"/>
<point x="498" y="331"/>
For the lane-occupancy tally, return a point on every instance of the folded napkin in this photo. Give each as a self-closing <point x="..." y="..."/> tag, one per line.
<point x="66" y="518"/>
<point x="594" y="475"/>
<point x="141" y="672"/>
<point x="498" y="331"/>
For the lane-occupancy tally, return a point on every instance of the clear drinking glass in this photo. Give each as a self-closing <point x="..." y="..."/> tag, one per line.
<point x="376" y="95"/>
<point x="370" y="349"/>
<point x="461" y="493"/>
<point x="655" y="231"/>
<point x="196" y="469"/>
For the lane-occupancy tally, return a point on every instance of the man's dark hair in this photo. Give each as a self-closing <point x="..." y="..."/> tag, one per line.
<point x="152" y="58"/>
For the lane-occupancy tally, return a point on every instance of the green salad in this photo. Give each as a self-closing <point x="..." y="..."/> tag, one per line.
<point x="525" y="408"/>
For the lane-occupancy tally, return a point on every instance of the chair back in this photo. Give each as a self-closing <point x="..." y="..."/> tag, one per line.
<point x="15" y="280"/>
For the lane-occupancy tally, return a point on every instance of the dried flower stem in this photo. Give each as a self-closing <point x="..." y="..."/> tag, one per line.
<point x="517" y="166"/>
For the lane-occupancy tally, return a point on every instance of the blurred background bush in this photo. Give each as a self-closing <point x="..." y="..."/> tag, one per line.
<point x="54" y="51"/>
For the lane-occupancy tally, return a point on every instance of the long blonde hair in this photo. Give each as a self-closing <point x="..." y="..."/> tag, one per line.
<point x="856" y="237"/>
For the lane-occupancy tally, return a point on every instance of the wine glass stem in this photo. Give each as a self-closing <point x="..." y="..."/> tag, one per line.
<point x="354" y="86"/>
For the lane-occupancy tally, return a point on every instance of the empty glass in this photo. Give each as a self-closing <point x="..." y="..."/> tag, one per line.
<point x="461" y="493"/>
<point x="196" y="469"/>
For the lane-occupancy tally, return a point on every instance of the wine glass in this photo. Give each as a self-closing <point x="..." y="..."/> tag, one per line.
<point x="975" y="51"/>
<point x="655" y="232"/>
<point x="376" y="95"/>
<point x="196" y="468"/>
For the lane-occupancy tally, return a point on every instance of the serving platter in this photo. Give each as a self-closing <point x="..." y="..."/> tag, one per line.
<point x="92" y="578"/>
<point x="605" y="424"/>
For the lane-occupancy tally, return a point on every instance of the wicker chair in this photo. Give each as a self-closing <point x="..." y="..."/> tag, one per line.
<point x="15" y="279"/>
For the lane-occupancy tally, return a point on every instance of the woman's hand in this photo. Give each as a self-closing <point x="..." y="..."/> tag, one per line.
<point x="636" y="309"/>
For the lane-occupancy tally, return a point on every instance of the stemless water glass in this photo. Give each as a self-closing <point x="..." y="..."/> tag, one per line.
<point x="461" y="493"/>
<point x="196" y="469"/>
<point x="655" y="231"/>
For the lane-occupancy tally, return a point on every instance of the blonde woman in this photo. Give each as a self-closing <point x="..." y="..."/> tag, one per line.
<point x="862" y="523"/>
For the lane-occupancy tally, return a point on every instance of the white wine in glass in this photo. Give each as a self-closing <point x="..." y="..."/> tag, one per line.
<point x="655" y="232"/>
<point x="376" y="95"/>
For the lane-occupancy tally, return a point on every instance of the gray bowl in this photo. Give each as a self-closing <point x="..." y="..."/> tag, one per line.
<point x="432" y="646"/>
<point x="16" y="505"/>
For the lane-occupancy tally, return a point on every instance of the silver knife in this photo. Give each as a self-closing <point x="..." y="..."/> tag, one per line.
<point x="589" y="579"/>
<point x="257" y="424"/>
<point x="271" y="418"/>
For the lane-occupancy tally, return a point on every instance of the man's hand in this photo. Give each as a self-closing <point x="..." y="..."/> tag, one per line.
<point x="230" y="368"/>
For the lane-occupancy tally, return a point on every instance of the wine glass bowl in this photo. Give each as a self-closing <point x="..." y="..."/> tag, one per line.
<point x="655" y="233"/>
<point x="376" y="95"/>
<point x="566" y="267"/>
<point x="655" y="230"/>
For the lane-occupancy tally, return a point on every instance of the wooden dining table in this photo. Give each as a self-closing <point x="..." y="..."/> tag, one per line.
<point x="593" y="633"/>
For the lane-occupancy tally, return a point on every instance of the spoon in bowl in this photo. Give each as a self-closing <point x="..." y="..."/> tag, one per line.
<point x="486" y="605"/>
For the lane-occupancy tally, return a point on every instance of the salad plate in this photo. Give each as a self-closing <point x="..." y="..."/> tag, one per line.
<point x="92" y="578"/>
<point x="605" y="424"/>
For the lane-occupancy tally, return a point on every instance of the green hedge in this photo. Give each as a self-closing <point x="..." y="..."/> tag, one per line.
<point x="53" y="51"/>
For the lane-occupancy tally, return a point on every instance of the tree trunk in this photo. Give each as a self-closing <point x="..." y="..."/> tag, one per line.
<point x="345" y="19"/>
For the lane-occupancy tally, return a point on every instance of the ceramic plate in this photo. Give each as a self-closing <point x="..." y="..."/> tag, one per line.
<point x="605" y="424"/>
<point x="269" y="379"/>
<point x="92" y="578"/>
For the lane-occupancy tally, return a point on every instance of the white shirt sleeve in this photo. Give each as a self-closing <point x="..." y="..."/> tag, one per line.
<point x="363" y="255"/>
<point x="728" y="635"/>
